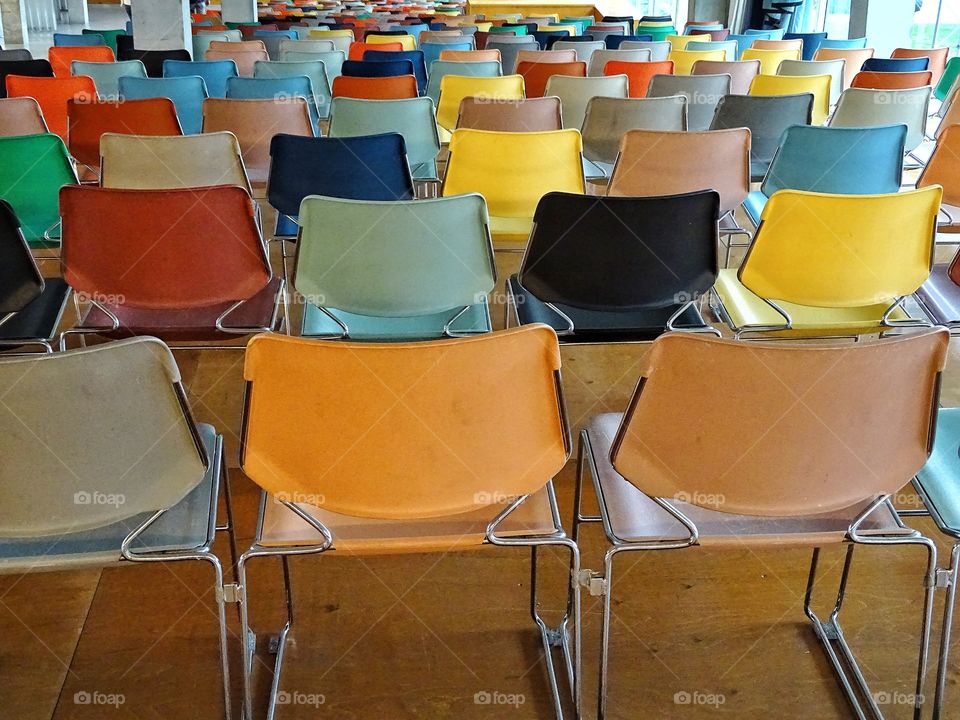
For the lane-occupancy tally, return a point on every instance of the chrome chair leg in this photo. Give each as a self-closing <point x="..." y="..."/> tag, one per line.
<point x="948" y="610"/>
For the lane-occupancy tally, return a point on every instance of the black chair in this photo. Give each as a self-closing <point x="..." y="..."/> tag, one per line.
<point x="153" y="59"/>
<point x="30" y="305"/>
<point x="126" y="42"/>
<point x="767" y="117"/>
<point x="30" y="68"/>
<point x="546" y="38"/>
<point x="656" y="18"/>
<point x="617" y="269"/>
<point x="576" y="38"/>
<point x="376" y="68"/>
<point x="15" y="54"/>
<point x="617" y="18"/>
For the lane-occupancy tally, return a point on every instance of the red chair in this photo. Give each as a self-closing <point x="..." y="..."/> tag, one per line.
<point x="187" y="264"/>
<point x="536" y="74"/>
<point x="53" y="94"/>
<point x="357" y="49"/>
<point x="639" y="74"/>
<point x="891" y="80"/>
<point x="61" y="57"/>
<point x="397" y="87"/>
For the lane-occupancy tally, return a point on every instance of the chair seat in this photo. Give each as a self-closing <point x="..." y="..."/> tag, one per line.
<point x="634" y="517"/>
<point x="424" y="170"/>
<point x="754" y="205"/>
<point x="946" y="226"/>
<point x="355" y="535"/>
<point x="185" y="526"/>
<point x="598" y="325"/>
<point x="188" y="324"/>
<point x="419" y="327"/>
<point x="745" y="310"/>
<point x="41" y="317"/>
<point x="940" y="297"/>
<point x="286" y="226"/>
<point x="510" y="230"/>
<point x="937" y="480"/>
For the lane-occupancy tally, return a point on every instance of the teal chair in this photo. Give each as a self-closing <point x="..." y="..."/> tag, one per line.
<point x="950" y="74"/>
<point x="745" y="41"/>
<point x="332" y="61"/>
<point x="312" y="69"/>
<point x="106" y="76"/>
<point x="395" y="270"/>
<point x="109" y="36"/>
<point x="214" y="73"/>
<point x="187" y="94"/>
<point x="656" y="33"/>
<point x="773" y="34"/>
<point x="275" y="88"/>
<point x="440" y="68"/>
<point x="432" y="50"/>
<point x="201" y="41"/>
<point x="849" y="44"/>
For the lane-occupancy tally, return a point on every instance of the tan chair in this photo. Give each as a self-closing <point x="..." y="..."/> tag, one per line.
<point x="853" y="57"/>
<point x="741" y="72"/>
<point x="470" y="55"/>
<point x="547" y="56"/>
<point x="245" y="54"/>
<point x="21" y="116"/>
<point x="529" y="115"/>
<point x="951" y="114"/>
<point x="138" y="162"/>
<point x="777" y="45"/>
<point x="575" y="93"/>
<point x="366" y="467"/>
<point x="809" y="456"/>
<point x="255" y="122"/>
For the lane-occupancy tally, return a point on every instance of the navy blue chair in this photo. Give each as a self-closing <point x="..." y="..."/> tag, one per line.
<point x="414" y="56"/>
<point x="577" y="38"/>
<point x="365" y="167"/>
<point x="896" y="64"/>
<point x="613" y="41"/>
<point x="811" y="41"/>
<point x="546" y="38"/>
<point x="377" y="69"/>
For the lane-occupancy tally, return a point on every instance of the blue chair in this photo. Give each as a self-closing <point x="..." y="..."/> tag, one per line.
<point x="364" y="167"/>
<point x="772" y="34"/>
<point x="431" y="51"/>
<point x="274" y="88"/>
<point x="71" y="40"/>
<point x="546" y="38"/>
<point x="745" y="41"/>
<point x="313" y="69"/>
<point x="811" y="41"/>
<point x="414" y="56"/>
<point x="485" y="68"/>
<point x="215" y="73"/>
<point x="850" y="44"/>
<point x="187" y="94"/>
<point x="847" y="161"/>
<point x="386" y="68"/>
<point x="896" y="64"/>
<point x="613" y="41"/>
<point x="415" y="30"/>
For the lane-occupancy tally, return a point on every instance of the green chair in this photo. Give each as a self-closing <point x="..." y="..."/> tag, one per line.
<point x="440" y="68"/>
<point x="109" y="36"/>
<point x="950" y="74"/>
<point x="656" y="33"/>
<point x="394" y="270"/>
<point x="33" y="168"/>
<point x="312" y="69"/>
<point x="106" y="76"/>
<point x="332" y="61"/>
<point x="583" y="21"/>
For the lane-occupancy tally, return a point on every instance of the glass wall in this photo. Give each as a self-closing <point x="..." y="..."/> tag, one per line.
<point x="925" y="24"/>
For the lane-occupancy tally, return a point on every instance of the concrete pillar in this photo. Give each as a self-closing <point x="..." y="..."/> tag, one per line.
<point x="238" y="10"/>
<point x="77" y="12"/>
<point x="162" y="24"/>
<point x="886" y="24"/>
<point x="14" y="23"/>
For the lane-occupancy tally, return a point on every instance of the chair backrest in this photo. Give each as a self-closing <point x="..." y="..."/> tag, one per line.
<point x="575" y="93"/>
<point x="414" y="118"/>
<point x="23" y="68"/>
<point x="765" y="44"/>
<point x="639" y="74"/>
<point x="215" y="73"/>
<point x="535" y="75"/>
<point x="811" y="41"/>
<point x="858" y="262"/>
<point x="891" y="80"/>
<point x="528" y="115"/>
<point x="357" y="49"/>
<point x="913" y="64"/>
<point x="414" y="56"/>
<point x="649" y="164"/>
<point x="833" y="68"/>
<point x="608" y="118"/>
<point x="801" y="396"/>
<point x="314" y="70"/>
<point x="253" y="45"/>
<point x="767" y="118"/>
<point x="584" y="50"/>
<point x="854" y="58"/>
<point x="53" y="93"/>
<point x="843" y="44"/>
<point x="703" y="92"/>
<point x="816" y="85"/>
<point x="683" y="60"/>
<point x="187" y="94"/>
<point x="15" y="54"/>
<point x="255" y="122"/>
<point x="860" y="107"/>
<point x="408" y="470"/>
<point x="937" y="58"/>
<point x="168" y="163"/>
<point x="510" y="51"/>
<point x="57" y="401"/>
<point x="485" y="162"/>
<point x="310" y="45"/>
<point x="943" y="168"/>
<point x="600" y="59"/>
<point x="376" y="88"/>
<point x="245" y="59"/>
<point x="453" y="88"/>
<point x="546" y="56"/>
<point x="275" y="88"/>
<point x="949" y="114"/>
<point x="61" y="57"/>
<point x="384" y="68"/>
<point x="486" y="55"/>
<point x="680" y="42"/>
<point x="35" y="167"/>
<point x="332" y="61"/>
<point x="201" y="41"/>
<point x="741" y="72"/>
<point x="729" y="48"/>
<point x="106" y="76"/>
<point x="153" y="60"/>
<point x="77" y="40"/>
<point x="442" y="68"/>
<point x="720" y="35"/>
<point x="659" y="51"/>
<point x="88" y="121"/>
<point x="842" y="161"/>
<point x="770" y="59"/>
<point x="20" y="279"/>
<point x="121" y="243"/>
<point x="407" y="42"/>
<point x="21" y="116"/>
<point x="273" y="40"/>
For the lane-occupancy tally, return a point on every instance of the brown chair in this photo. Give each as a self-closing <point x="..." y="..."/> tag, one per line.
<point x="547" y="56"/>
<point x="21" y="116"/>
<point x="741" y="72"/>
<point x="470" y="55"/>
<point x="891" y="80"/>
<point x="795" y="448"/>
<point x="536" y="75"/>
<point x="943" y="168"/>
<point x="255" y="122"/>
<point x="936" y="56"/>
<point x="854" y="57"/>
<point x="245" y="54"/>
<point x="540" y="114"/>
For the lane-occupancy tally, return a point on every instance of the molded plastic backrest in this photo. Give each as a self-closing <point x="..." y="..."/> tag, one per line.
<point x="332" y="61"/>
<point x="453" y="88"/>
<point x="729" y="48"/>
<point x="61" y="57"/>
<point x="575" y="93"/>
<point x="658" y="50"/>
<point x="833" y="68"/>
<point x="357" y="49"/>
<point x="811" y="41"/>
<point x="891" y="80"/>
<point x="529" y="115"/>
<point x="15" y="54"/>
<point x="536" y="75"/>
<point x="162" y="163"/>
<point x="859" y="107"/>
<point x="311" y="45"/>
<point x="163" y="249"/>
<point x="52" y="94"/>
<point x="88" y="121"/>
<point x="314" y="70"/>
<point x="187" y="94"/>
<point x="937" y="58"/>
<point x="914" y="64"/>
<point x="35" y="167"/>
<point x="848" y="44"/>
<point x="414" y="56"/>
<point x="584" y="49"/>
<point x="816" y="85"/>
<point x="639" y="74"/>
<point x="876" y="247"/>
<point x="683" y="60"/>
<point x="376" y="88"/>
<point x="20" y="279"/>
<point x="547" y="56"/>
<point x="769" y="59"/>
<point x="601" y="58"/>
<point x="648" y="166"/>
<point x="21" y="116"/>
<point x="75" y="40"/>
<point x="442" y="68"/>
<point x="943" y="167"/>
<point x="106" y="76"/>
<point x="25" y="68"/>
<point x="244" y="59"/>
<point x="510" y="51"/>
<point x="385" y="68"/>
<point x="275" y="88"/>
<point x="763" y="44"/>
<point x="488" y="55"/>
<point x="754" y="449"/>
<point x="854" y="58"/>
<point x="443" y="450"/>
<point x="629" y="253"/>
<point x="741" y="72"/>
<point x="76" y="402"/>
<point x="607" y="119"/>
<point x="406" y="42"/>
<point x="703" y="92"/>
<point x="215" y="73"/>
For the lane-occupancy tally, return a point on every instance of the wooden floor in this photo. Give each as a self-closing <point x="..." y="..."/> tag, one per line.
<point x="697" y="633"/>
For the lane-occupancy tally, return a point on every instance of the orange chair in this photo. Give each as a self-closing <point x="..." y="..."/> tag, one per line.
<point x="87" y="121"/>
<point x="936" y="56"/>
<point x="891" y="80"/>
<point x="61" y="57"/>
<point x="357" y="49"/>
<point x="638" y="74"/>
<point x="376" y="88"/>
<point x="53" y="94"/>
<point x="471" y="55"/>
<point x="536" y="75"/>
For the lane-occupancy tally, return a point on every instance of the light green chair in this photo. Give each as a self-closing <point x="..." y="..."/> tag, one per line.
<point x="576" y="92"/>
<point x="332" y="61"/>
<point x="440" y="68"/>
<point x="863" y="107"/>
<point x="202" y="40"/>
<point x="833" y="68"/>
<point x="312" y="69"/>
<point x="106" y="76"/>
<point x="397" y="270"/>
<point x="307" y="45"/>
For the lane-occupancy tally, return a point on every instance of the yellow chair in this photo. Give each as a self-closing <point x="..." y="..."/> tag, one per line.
<point x="454" y="88"/>
<point x="484" y="26"/>
<point x="680" y="42"/>
<point x="817" y="85"/>
<point x="823" y="263"/>
<point x="770" y="59"/>
<point x="683" y="60"/>
<point x="487" y="162"/>
<point x="409" y="42"/>
<point x="570" y="29"/>
<point x="320" y="34"/>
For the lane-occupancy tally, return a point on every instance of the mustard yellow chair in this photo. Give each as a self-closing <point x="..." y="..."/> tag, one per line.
<point x="454" y="88"/>
<point x="817" y="85"/>
<point x="680" y="42"/>
<point x="569" y="29"/>
<point x="770" y="59"/>
<point x="332" y="34"/>
<point x="831" y="264"/>
<point x="409" y="42"/>
<point x="487" y="162"/>
<point x="683" y="60"/>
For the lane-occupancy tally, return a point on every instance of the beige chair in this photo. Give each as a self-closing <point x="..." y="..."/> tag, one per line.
<point x="245" y="54"/>
<point x="862" y="107"/>
<point x="808" y="457"/>
<point x="21" y="116"/>
<point x="530" y="115"/>
<point x="741" y="72"/>
<point x="834" y="68"/>
<point x="576" y="92"/>
<point x="600" y="58"/>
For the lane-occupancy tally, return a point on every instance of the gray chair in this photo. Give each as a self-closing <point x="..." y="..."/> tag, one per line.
<point x="332" y="61"/>
<point x="659" y="50"/>
<point x="600" y="32"/>
<point x="703" y="93"/>
<point x="861" y="107"/>
<point x="576" y="92"/>
<point x="15" y="55"/>
<point x="833" y="68"/>
<point x="510" y="47"/>
<point x="728" y="46"/>
<point x="306" y="45"/>
<point x="584" y="50"/>
<point x="600" y="58"/>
